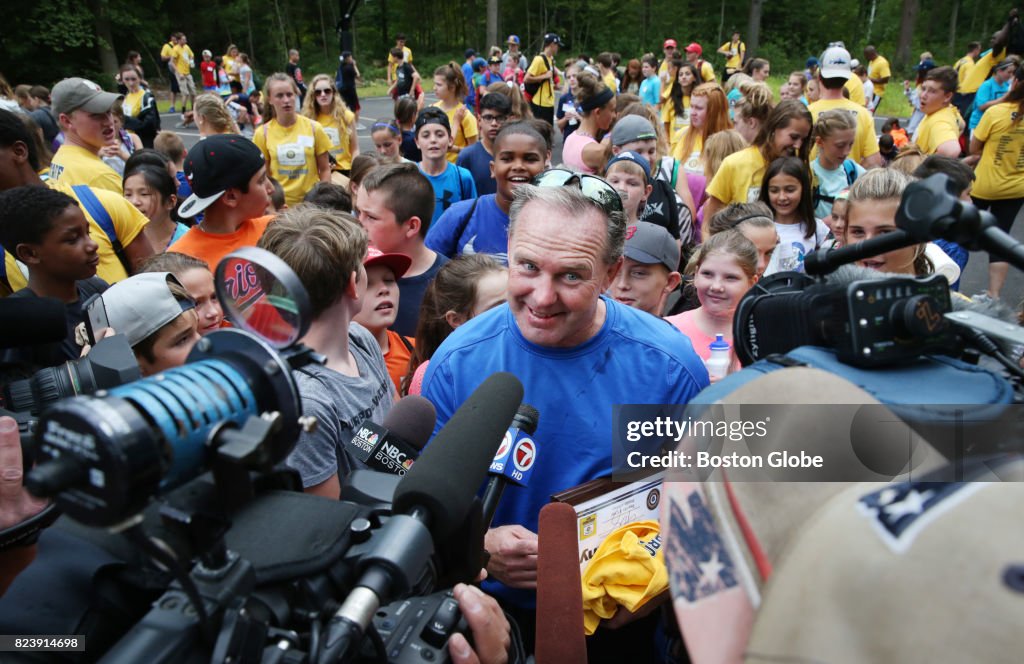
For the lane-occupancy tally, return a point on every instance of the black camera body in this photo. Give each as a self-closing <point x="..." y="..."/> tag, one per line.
<point x="415" y="630"/>
<point x="869" y="323"/>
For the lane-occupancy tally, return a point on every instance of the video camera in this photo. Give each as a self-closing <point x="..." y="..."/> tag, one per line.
<point x="874" y="322"/>
<point x="186" y="465"/>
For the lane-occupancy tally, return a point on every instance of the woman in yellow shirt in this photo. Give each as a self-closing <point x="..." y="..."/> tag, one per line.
<point x="786" y="132"/>
<point x="296" y="148"/>
<point x="709" y="114"/>
<point x="324" y="104"/>
<point x="999" y="187"/>
<point x="450" y="88"/>
<point x="677" y="106"/>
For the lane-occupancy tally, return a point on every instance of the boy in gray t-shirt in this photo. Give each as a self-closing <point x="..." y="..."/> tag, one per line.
<point x="326" y="249"/>
<point x="340" y="403"/>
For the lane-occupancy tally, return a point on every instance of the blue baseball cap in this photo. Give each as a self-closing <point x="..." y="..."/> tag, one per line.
<point x="512" y="39"/>
<point x="633" y="157"/>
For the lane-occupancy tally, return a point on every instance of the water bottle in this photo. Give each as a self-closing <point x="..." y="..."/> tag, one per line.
<point x="721" y="357"/>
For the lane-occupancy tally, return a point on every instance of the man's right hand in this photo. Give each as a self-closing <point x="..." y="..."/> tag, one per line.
<point x="513" y="551"/>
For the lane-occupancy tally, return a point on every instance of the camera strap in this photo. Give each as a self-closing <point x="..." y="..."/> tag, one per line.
<point x="27" y="532"/>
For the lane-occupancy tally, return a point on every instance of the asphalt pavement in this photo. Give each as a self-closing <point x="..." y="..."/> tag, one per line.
<point x="974" y="279"/>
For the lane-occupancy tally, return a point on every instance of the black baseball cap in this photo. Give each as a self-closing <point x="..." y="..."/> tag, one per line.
<point x="552" y="38"/>
<point x="214" y="165"/>
<point x="433" y="114"/>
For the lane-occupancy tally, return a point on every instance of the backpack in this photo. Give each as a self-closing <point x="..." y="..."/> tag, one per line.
<point x="530" y="89"/>
<point x="850" y="167"/>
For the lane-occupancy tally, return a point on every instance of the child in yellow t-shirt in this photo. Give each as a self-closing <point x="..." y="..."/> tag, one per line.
<point x="296" y="148"/>
<point x="450" y="88"/>
<point x="324" y="104"/>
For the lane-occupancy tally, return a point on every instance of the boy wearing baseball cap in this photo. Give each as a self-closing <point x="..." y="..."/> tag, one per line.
<point x="636" y="134"/>
<point x="380" y="308"/>
<point x="649" y="270"/>
<point x="229" y="184"/>
<point x="833" y="74"/>
<point x="157" y="315"/>
<point x="451" y="183"/>
<point x="669" y="49"/>
<point x="83" y="110"/>
<point x="693" y="56"/>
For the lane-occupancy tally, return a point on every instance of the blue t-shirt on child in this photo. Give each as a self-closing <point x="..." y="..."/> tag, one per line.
<point x="831" y="183"/>
<point x="988" y="91"/>
<point x="477" y="160"/>
<point x="484" y="232"/>
<point x="650" y="91"/>
<point x="454" y="184"/>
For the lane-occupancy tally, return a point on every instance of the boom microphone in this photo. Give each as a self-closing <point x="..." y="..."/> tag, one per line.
<point x="395" y="445"/>
<point x="31" y="321"/>
<point x="515" y="459"/>
<point x="431" y="502"/>
<point x="825" y="261"/>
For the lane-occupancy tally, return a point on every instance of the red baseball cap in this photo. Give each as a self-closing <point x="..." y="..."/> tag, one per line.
<point x="399" y="263"/>
<point x="694" y="47"/>
<point x="670" y="42"/>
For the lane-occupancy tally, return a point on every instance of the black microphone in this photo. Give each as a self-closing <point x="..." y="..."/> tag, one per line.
<point x="393" y="446"/>
<point x="388" y="451"/>
<point x="513" y="463"/>
<point x="431" y="503"/>
<point x="825" y="261"/>
<point x="31" y="321"/>
<point x="930" y="211"/>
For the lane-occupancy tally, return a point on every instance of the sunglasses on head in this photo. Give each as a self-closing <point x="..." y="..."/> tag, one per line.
<point x="593" y="187"/>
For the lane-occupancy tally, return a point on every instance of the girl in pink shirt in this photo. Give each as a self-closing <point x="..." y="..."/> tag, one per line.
<point x="723" y="270"/>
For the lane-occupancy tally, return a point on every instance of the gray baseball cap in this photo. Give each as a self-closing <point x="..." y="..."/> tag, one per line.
<point x="140" y="305"/>
<point x="632" y="128"/>
<point x="72" y="94"/>
<point x="650" y="244"/>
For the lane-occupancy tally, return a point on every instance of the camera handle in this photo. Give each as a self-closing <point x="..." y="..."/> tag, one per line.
<point x="205" y="608"/>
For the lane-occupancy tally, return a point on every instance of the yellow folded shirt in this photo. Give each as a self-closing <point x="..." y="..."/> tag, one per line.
<point x="627" y="570"/>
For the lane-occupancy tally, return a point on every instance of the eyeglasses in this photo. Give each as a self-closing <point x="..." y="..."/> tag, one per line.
<point x="593" y="187"/>
<point x="493" y="119"/>
<point x="324" y="91"/>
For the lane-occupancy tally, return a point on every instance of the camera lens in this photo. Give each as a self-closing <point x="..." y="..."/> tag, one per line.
<point x="45" y="387"/>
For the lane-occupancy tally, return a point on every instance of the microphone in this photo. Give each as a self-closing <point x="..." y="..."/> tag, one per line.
<point x="514" y="460"/>
<point x="45" y="315"/>
<point x="432" y="501"/>
<point x="930" y="211"/>
<point x="395" y="445"/>
<point x="826" y="261"/>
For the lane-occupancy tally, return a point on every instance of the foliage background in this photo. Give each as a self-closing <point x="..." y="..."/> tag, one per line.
<point x="46" y="40"/>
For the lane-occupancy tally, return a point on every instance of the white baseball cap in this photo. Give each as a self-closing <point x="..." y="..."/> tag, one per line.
<point x="142" y="304"/>
<point x="835" y="63"/>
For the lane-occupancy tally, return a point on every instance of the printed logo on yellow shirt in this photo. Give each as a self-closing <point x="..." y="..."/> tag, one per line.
<point x="588" y="526"/>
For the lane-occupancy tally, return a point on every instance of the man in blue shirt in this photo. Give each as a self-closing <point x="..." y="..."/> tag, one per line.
<point x="577" y="353"/>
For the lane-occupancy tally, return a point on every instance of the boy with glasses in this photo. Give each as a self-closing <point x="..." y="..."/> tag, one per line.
<point x="477" y="158"/>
